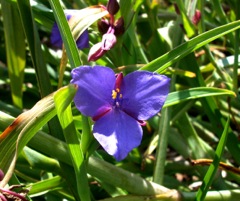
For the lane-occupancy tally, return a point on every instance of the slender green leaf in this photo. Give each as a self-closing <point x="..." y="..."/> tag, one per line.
<point x="33" y="40"/>
<point x="73" y="55"/>
<point x="166" y="60"/>
<point x="62" y="100"/>
<point x="207" y="181"/>
<point x="78" y="24"/>
<point x="199" y="148"/>
<point x="47" y="185"/>
<point x="211" y="108"/>
<point x="39" y="161"/>
<point x="70" y="33"/>
<point x="15" y="48"/>
<point x="22" y="129"/>
<point x="194" y="93"/>
<point x="66" y="34"/>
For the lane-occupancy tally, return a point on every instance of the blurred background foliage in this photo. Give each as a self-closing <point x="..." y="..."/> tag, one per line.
<point x="200" y="54"/>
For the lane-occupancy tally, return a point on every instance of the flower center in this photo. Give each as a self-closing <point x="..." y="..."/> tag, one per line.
<point x="116" y="92"/>
<point x="117" y="97"/>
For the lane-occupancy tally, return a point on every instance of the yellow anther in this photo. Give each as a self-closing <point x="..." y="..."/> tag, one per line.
<point x="114" y="94"/>
<point x="117" y="90"/>
<point x="120" y="95"/>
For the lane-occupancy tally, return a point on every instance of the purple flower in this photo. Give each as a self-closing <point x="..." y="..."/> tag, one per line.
<point x="56" y="39"/>
<point x="118" y="105"/>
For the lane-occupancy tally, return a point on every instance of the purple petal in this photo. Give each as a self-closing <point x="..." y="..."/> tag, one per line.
<point x="118" y="133"/>
<point x="144" y="94"/>
<point x="56" y="39"/>
<point x="95" y="85"/>
<point x="83" y="40"/>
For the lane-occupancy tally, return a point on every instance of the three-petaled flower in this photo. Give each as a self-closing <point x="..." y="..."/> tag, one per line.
<point x="118" y="105"/>
<point x="56" y="39"/>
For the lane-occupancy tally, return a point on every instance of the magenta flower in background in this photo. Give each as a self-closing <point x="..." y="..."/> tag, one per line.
<point x="110" y="29"/>
<point x="8" y="194"/>
<point x="118" y="105"/>
<point x="56" y="39"/>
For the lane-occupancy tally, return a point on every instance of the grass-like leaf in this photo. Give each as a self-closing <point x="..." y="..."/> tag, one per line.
<point x="62" y="101"/>
<point x="33" y="40"/>
<point x="15" y="48"/>
<point x="23" y="128"/>
<point x="166" y="60"/>
<point x="194" y="93"/>
<point x="207" y="181"/>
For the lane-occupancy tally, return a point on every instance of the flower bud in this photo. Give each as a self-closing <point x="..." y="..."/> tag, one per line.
<point x="197" y="17"/>
<point x="103" y="26"/>
<point x="119" y="27"/>
<point x="176" y="8"/>
<point x="1" y="175"/>
<point x="96" y="52"/>
<point x="112" y="7"/>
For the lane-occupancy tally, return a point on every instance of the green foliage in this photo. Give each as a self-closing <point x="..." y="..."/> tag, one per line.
<point x="47" y="144"/>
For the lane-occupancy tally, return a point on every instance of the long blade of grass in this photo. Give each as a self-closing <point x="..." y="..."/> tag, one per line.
<point x="194" y="93"/>
<point x="46" y="185"/>
<point x="207" y="181"/>
<point x="211" y="108"/>
<point x="34" y="47"/>
<point x="15" y="48"/>
<point x="73" y="55"/>
<point x="66" y="34"/>
<point x="22" y="129"/>
<point x="166" y="60"/>
<point x="200" y="149"/>
<point x="65" y="116"/>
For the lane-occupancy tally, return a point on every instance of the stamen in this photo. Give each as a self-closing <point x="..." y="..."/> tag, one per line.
<point x="114" y="94"/>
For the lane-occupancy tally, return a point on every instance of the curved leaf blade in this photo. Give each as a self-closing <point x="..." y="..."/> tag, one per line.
<point x="194" y="93"/>
<point x="207" y="181"/>
<point x="62" y="101"/>
<point x="23" y="128"/>
<point x="166" y="60"/>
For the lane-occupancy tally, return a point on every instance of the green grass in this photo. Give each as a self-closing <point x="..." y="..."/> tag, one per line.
<point x="48" y="146"/>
